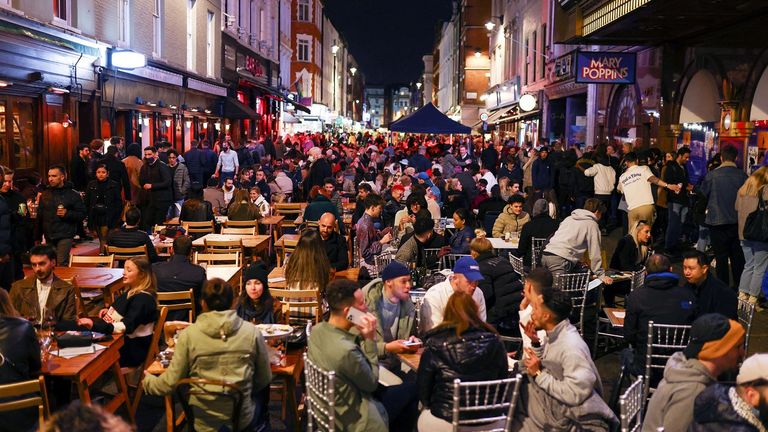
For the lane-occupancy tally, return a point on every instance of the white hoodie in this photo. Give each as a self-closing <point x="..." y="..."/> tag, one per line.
<point x="578" y="233"/>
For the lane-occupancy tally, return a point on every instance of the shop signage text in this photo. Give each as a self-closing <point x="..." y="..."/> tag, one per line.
<point x="605" y="67"/>
<point x="564" y="67"/>
<point x="254" y="66"/>
<point x="206" y="87"/>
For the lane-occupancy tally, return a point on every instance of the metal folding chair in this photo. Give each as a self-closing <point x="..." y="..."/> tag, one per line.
<point x="631" y="407"/>
<point x="746" y="313"/>
<point x="485" y="405"/>
<point x="663" y="341"/>
<point x="575" y="284"/>
<point x="320" y="398"/>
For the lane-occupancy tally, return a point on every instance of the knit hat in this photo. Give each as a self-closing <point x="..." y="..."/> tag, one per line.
<point x="256" y="271"/>
<point x="540" y="206"/>
<point x="713" y="335"/>
<point x="754" y="368"/>
<point x="394" y="270"/>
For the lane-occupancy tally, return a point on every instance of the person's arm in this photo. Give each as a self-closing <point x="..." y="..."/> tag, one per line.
<point x="179" y="368"/>
<point x="142" y="306"/>
<point x="125" y="181"/>
<point x="78" y="212"/>
<point x="151" y="251"/>
<point x="480" y="300"/>
<point x="591" y="171"/>
<point x="184" y="188"/>
<point x="577" y="384"/>
<point x="499" y="226"/>
<point x="361" y="366"/>
<point x="30" y="340"/>
<point x="342" y="255"/>
<point x="430" y="315"/>
<point x="69" y="306"/>
<point x="595" y="253"/>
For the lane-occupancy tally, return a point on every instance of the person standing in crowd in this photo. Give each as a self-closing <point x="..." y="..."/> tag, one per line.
<point x="512" y="219"/>
<point x="118" y="143"/>
<point x="712" y="294"/>
<point x="676" y="173"/>
<point x="181" y="182"/>
<point x="370" y="240"/>
<point x="739" y="408"/>
<point x="716" y="346"/>
<point x="157" y="185"/>
<point x="18" y="228"/>
<point x="755" y="252"/>
<point x="501" y="287"/>
<point x="465" y="278"/>
<point x="130" y="236"/>
<point x="320" y="204"/>
<point x="117" y="171"/>
<point x="542" y="172"/>
<point x="541" y="226"/>
<point x="104" y="204"/>
<point x="194" y="160"/>
<point x="605" y="182"/>
<point x="489" y="157"/>
<point x="61" y="211"/>
<point x="635" y="184"/>
<point x="419" y="161"/>
<point x="44" y="296"/>
<point x="213" y="348"/>
<point x="228" y="164"/>
<point x="208" y="158"/>
<point x="335" y="244"/>
<point x="133" y="165"/>
<point x="179" y="274"/>
<point x="319" y="170"/>
<point x="721" y="186"/>
<point x="79" y="167"/>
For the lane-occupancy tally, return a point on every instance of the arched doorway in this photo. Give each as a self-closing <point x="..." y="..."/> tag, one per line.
<point x="701" y="100"/>
<point x="623" y="125"/>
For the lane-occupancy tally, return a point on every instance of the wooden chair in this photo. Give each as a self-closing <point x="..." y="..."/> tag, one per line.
<point x="291" y="211"/>
<point x="178" y="300"/>
<point x="91" y="261"/>
<point x="284" y="249"/>
<point x="299" y="300"/>
<point x="170" y="328"/>
<point x="239" y="231"/>
<point x="26" y="394"/>
<point x="138" y="372"/>
<point x="121" y="255"/>
<point x="209" y="390"/>
<point x="224" y="246"/>
<point x="490" y="404"/>
<point x="198" y="229"/>
<point x="241" y="224"/>
<point x="86" y="302"/>
<point x="213" y="259"/>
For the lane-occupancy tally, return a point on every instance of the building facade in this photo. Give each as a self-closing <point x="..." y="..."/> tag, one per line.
<point x="375" y="102"/>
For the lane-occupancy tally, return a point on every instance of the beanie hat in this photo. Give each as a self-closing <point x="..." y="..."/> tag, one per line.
<point x="540" y="207"/>
<point x="713" y="335"/>
<point x="394" y="270"/>
<point x="256" y="271"/>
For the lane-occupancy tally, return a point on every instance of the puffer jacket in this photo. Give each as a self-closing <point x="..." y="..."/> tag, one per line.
<point x="509" y="222"/>
<point x="21" y="352"/>
<point x="181" y="181"/>
<point x="477" y="355"/>
<point x="54" y="227"/>
<point x="218" y="346"/>
<point x="502" y="289"/>
<point x="720" y="409"/>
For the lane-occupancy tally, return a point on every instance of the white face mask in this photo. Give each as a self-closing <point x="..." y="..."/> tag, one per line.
<point x="311" y="158"/>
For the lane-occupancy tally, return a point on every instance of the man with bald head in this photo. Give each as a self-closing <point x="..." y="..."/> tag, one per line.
<point x="319" y="170"/>
<point x="335" y="244"/>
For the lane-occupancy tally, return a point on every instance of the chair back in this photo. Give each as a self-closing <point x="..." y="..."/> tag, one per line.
<point x="223" y="246"/>
<point x="575" y="284"/>
<point x="537" y="248"/>
<point x="321" y="397"/>
<point x="26" y="394"/>
<point x="449" y="260"/>
<point x="381" y="261"/>
<point x="241" y="224"/>
<point x="154" y="348"/>
<point x="197" y="229"/>
<point x="356" y="252"/>
<point x="631" y="407"/>
<point x="228" y="259"/>
<point x="208" y="389"/>
<point x="178" y="300"/>
<point x="284" y="249"/>
<point x="121" y="255"/>
<point x="638" y="279"/>
<point x="417" y="297"/>
<point x="82" y="299"/>
<point x="300" y="304"/>
<point x="663" y="341"/>
<point x="239" y="231"/>
<point x="485" y="405"/>
<point x="489" y="220"/>
<point x="517" y="264"/>
<point x="746" y="312"/>
<point x="170" y="328"/>
<point x="291" y="211"/>
<point x="431" y="255"/>
<point x="91" y="261"/>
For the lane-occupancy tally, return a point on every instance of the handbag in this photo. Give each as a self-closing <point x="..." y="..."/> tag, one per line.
<point x="756" y="226"/>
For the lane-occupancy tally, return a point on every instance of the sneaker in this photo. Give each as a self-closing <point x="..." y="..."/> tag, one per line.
<point x="753" y="300"/>
<point x="743" y="296"/>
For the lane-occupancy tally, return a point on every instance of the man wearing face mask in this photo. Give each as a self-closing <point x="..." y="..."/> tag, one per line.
<point x="743" y="407"/>
<point x="228" y="163"/>
<point x="157" y="184"/>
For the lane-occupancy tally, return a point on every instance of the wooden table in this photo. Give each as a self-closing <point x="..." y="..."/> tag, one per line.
<point x="616" y="315"/>
<point x="175" y="221"/>
<point x="109" y="280"/>
<point x="500" y="243"/>
<point x="257" y="242"/>
<point x="230" y="274"/>
<point x="279" y="272"/>
<point x="412" y="360"/>
<point x="274" y="228"/>
<point x="289" y="240"/>
<point x="85" y="369"/>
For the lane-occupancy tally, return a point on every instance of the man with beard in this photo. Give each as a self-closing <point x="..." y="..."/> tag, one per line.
<point x="79" y="167"/>
<point x="61" y="211"/>
<point x="228" y="163"/>
<point x="157" y="183"/>
<point x="43" y="289"/>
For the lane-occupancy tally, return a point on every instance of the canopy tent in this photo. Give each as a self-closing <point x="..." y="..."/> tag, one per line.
<point x="428" y="119"/>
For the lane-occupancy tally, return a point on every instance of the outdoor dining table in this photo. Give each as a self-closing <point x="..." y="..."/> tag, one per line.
<point x="257" y="242"/>
<point x="105" y="279"/>
<point x="500" y="243"/>
<point x="230" y="274"/>
<point x="412" y="360"/>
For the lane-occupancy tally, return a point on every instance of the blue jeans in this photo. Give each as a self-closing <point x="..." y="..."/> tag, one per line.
<point x="677" y="213"/>
<point x="756" y="261"/>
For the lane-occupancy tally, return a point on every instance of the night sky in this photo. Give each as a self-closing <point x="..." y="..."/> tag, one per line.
<point x="389" y="37"/>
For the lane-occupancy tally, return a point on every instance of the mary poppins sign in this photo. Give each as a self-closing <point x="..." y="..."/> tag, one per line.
<point x="605" y="67"/>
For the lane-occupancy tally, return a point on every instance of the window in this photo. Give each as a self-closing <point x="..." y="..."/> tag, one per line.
<point x="62" y="11"/>
<point x="254" y="22"/>
<point x="157" y="29"/>
<point x="543" y="50"/>
<point x="262" y="25"/>
<point x="124" y="22"/>
<point x="534" y="56"/>
<point x="302" y="49"/>
<point x="210" y="53"/>
<point x="191" y="35"/>
<point x="303" y="7"/>
<point x="527" y="60"/>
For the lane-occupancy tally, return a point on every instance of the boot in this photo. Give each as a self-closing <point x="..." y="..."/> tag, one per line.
<point x="743" y="296"/>
<point x="754" y="300"/>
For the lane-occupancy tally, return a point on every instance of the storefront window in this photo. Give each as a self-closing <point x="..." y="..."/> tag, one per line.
<point x="23" y="133"/>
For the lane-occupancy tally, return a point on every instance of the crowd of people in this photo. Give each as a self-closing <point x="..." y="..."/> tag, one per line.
<point x="406" y="194"/>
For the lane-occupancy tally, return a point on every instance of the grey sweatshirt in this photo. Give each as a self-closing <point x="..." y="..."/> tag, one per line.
<point x="578" y="233"/>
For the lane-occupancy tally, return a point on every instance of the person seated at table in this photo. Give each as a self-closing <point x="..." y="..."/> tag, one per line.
<point x="462" y="221"/>
<point x="129" y="235"/>
<point x="241" y="208"/>
<point x="563" y="388"/>
<point x="308" y="268"/>
<point x="21" y="358"/>
<point x="213" y="348"/>
<point x="195" y="208"/>
<point x="179" y="274"/>
<point x="256" y="304"/>
<point x="86" y="417"/>
<point x="363" y="191"/>
<point x="630" y="255"/>
<point x="329" y="190"/>
<point x="494" y="203"/>
<point x="541" y="225"/>
<point x="465" y="278"/>
<point x="133" y="312"/>
<point x="712" y="294"/>
<point x="424" y="237"/>
<point x="388" y="299"/>
<point x="501" y="287"/>
<point x="215" y="196"/>
<point x="370" y="240"/>
<point x="462" y="347"/>
<point x="257" y="198"/>
<point x="43" y="296"/>
<point x="536" y="281"/>
<point x="334" y="243"/>
<point x="393" y="205"/>
<point x="512" y="219"/>
<point x="661" y="300"/>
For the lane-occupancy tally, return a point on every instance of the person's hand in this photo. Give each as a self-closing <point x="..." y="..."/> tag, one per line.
<point x="689" y="187"/>
<point x="85" y="322"/>
<point x="532" y="362"/>
<point x="147" y="186"/>
<point x="445" y="250"/>
<point x="606" y="280"/>
<point x="397" y="347"/>
<point x="386" y="239"/>
<point x="103" y="312"/>
<point x="524" y="303"/>
<point x="530" y="331"/>
<point x="368" y="327"/>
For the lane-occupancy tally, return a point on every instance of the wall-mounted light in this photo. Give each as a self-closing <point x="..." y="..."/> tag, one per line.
<point x="152" y="104"/>
<point x="67" y="122"/>
<point x="145" y="121"/>
<point x="57" y="90"/>
<point x="334" y="49"/>
<point x="418" y="86"/>
<point x="167" y="122"/>
<point x="353" y="70"/>
<point x="173" y="107"/>
<point x="207" y="111"/>
<point x="5" y="83"/>
<point x="226" y="126"/>
<point x="188" y="124"/>
<point x="194" y="110"/>
<point x="217" y="125"/>
<point x="478" y="53"/>
<point x="205" y="125"/>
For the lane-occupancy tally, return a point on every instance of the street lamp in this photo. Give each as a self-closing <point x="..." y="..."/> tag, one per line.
<point x="418" y="86"/>
<point x="334" y="50"/>
<point x="353" y="70"/>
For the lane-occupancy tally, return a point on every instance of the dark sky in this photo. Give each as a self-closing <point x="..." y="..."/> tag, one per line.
<point x="389" y="37"/>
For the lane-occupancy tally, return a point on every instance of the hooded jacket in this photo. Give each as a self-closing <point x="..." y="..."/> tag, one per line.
<point x="54" y="227"/>
<point x="218" y="346"/>
<point x="502" y="289"/>
<point x="577" y="234"/>
<point x="509" y="222"/>
<point x="720" y="409"/>
<point x="671" y="406"/>
<point x="406" y="320"/>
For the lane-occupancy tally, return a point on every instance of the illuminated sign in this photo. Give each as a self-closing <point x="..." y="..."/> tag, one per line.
<point x="600" y="67"/>
<point x="564" y="67"/>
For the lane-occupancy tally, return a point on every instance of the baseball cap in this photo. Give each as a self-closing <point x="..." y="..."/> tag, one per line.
<point x="423" y="176"/>
<point x="713" y="335"/>
<point x="469" y="268"/>
<point x="394" y="270"/>
<point x="754" y="368"/>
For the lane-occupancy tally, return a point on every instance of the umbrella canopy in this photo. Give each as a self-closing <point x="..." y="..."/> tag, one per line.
<point x="429" y="119"/>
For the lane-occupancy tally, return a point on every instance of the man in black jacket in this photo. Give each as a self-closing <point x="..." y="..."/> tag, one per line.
<point x="79" y="169"/>
<point x="335" y="244"/>
<point x="194" y="160"/>
<point x="662" y="301"/>
<point x="117" y="171"/>
<point x="501" y="287"/>
<point x="677" y="203"/>
<point x="179" y="274"/>
<point x="18" y="227"/>
<point x="61" y="211"/>
<point x="157" y="184"/>
<point x="712" y="294"/>
<point x="540" y="226"/>
<point x="129" y="235"/>
<point x="319" y="170"/>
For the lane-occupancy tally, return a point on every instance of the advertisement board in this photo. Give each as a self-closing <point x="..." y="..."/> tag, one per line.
<point x="602" y="67"/>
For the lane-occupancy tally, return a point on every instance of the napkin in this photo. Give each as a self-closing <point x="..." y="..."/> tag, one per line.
<point x="71" y="352"/>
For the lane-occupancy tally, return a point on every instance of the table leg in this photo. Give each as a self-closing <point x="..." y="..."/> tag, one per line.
<point x="169" y="422"/>
<point x="293" y="406"/>
<point x="83" y="392"/>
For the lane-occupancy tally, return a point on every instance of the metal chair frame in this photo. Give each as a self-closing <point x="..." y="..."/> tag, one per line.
<point x="321" y="396"/>
<point x="575" y="284"/>
<point x="485" y="396"/>
<point x="537" y="248"/>
<point x="381" y="261"/>
<point x="517" y="264"/>
<point x="449" y="260"/>
<point x="663" y="341"/>
<point x="631" y="407"/>
<point x="746" y="312"/>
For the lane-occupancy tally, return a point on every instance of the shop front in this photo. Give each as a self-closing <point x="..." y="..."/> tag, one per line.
<point x="566" y="104"/>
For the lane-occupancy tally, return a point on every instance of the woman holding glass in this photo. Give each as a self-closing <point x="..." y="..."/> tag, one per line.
<point x="133" y="313"/>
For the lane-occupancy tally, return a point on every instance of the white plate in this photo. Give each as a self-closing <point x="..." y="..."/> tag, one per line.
<point x="274" y="330"/>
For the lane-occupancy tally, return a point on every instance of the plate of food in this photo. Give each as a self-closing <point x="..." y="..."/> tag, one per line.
<point x="274" y="330"/>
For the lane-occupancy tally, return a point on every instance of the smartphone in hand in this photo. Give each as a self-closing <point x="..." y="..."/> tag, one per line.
<point x="355" y="316"/>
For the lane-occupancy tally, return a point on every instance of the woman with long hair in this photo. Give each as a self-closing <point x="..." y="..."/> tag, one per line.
<point x="133" y="312"/>
<point x="630" y="255"/>
<point x="256" y="304"/>
<point x="463" y="346"/>
<point x="104" y="204"/>
<point x="241" y="208"/>
<point x="755" y="252"/>
<point x="308" y="266"/>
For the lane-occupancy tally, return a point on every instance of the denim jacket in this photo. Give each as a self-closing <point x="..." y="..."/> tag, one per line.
<point x="720" y="186"/>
